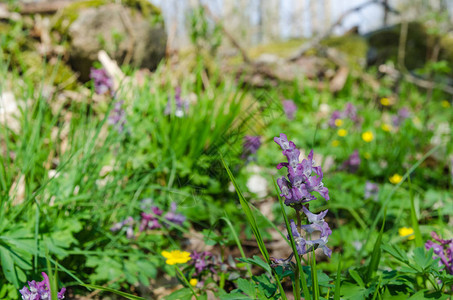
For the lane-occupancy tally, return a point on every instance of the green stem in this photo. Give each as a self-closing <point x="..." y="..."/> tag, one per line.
<point x="186" y="281"/>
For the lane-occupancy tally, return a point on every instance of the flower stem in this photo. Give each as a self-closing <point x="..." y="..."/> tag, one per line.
<point x="186" y="281"/>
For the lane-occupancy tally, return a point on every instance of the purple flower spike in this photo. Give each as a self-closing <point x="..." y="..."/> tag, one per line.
<point x="371" y="191"/>
<point x="181" y="105"/>
<point x="351" y="112"/>
<point x="402" y="115"/>
<point x="301" y="182"/>
<point x="300" y="241"/>
<point x="335" y="115"/>
<point x="250" y="146"/>
<point x="117" y="116"/>
<point x="317" y="222"/>
<point x="150" y="221"/>
<point x="290" y="108"/>
<point x="103" y="84"/>
<point x="202" y="261"/>
<point x="304" y="246"/>
<point x="352" y="164"/>
<point x="443" y="250"/>
<point x="39" y="290"/>
<point x="173" y="217"/>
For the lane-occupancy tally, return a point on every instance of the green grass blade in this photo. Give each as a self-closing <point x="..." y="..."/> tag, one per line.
<point x="314" y="274"/>
<point x="106" y="289"/>
<point x="238" y="243"/>
<point x="299" y="270"/>
<point x="376" y="255"/>
<point x="337" y="292"/>
<point x="414" y="220"/>
<point x="251" y="219"/>
<point x="248" y="214"/>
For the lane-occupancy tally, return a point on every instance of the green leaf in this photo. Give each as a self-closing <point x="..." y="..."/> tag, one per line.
<point x="8" y="267"/>
<point x="246" y="287"/>
<point x="257" y="261"/>
<point x="125" y="295"/>
<point x="265" y="285"/>
<point x="376" y="256"/>
<point x="355" y="275"/>
<point x="235" y="294"/>
<point x="396" y="253"/>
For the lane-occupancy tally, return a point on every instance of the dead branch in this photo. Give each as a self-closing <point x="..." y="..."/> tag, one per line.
<point x="235" y="43"/>
<point x="426" y="84"/>
<point x="49" y="7"/>
<point x="317" y="40"/>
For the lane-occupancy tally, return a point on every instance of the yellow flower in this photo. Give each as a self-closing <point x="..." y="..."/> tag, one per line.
<point x="193" y="282"/>
<point x="406" y="232"/>
<point x="445" y="104"/>
<point x="176" y="257"/>
<point x="385" y="101"/>
<point x="367" y="136"/>
<point x="386" y="127"/>
<point x="396" y="178"/>
<point x="335" y="143"/>
<point x="342" y="132"/>
<point x="367" y="155"/>
<point x="338" y="122"/>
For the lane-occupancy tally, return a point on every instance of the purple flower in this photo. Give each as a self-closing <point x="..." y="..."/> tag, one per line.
<point x="317" y="222"/>
<point x="202" y="261"/>
<point x="150" y="221"/>
<point x="304" y="246"/>
<point x="402" y="115"/>
<point x="102" y="82"/>
<point x="299" y="185"/>
<point x="181" y="106"/>
<point x="351" y="112"/>
<point x="250" y="146"/>
<point x="173" y="217"/>
<point x="290" y="108"/>
<point x="129" y="222"/>
<point x="335" y="115"/>
<point x="371" y="191"/>
<point x="352" y="163"/>
<point x="117" y="116"/>
<point x="443" y="249"/>
<point x="39" y="290"/>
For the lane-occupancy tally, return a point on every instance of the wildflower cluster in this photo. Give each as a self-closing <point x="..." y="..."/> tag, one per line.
<point x="443" y="249"/>
<point x="150" y="220"/>
<point x="297" y="189"/>
<point x="349" y="112"/>
<point x="39" y="290"/>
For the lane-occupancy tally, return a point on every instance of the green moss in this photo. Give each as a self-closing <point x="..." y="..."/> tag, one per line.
<point x="281" y="49"/>
<point x="37" y="70"/>
<point x="71" y="12"/>
<point x="447" y="49"/>
<point x="353" y="46"/>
